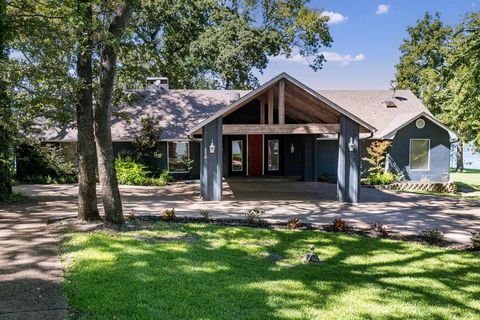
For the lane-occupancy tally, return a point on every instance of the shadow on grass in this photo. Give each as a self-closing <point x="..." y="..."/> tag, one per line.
<point x="226" y="275"/>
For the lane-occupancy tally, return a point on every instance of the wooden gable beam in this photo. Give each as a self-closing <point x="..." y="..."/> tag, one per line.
<point x="281" y="102"/>
<point x="270" y="106"/>
<point x="307" y="128"/>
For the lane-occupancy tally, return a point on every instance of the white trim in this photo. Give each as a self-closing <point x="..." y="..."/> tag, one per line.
<point x="410" y="155"/>
<point x="392" y="133"/>
<point x="263" y="88"/>
<point x="263" y="154"/>
<point x="278" y="143"/>
<point x="241" y="152"/>
<point x="168" y="155"/>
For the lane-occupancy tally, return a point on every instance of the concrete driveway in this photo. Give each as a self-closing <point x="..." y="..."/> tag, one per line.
<point x="310" y="202"/>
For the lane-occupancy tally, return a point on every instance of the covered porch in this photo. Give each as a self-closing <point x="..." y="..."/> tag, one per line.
<point x="275" y="131"/>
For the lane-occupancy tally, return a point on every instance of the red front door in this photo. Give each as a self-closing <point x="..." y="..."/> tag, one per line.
<point x="255" y="155"/>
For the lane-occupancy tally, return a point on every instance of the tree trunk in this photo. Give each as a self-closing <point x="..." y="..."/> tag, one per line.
<point x="460" y="155"/>
<point x="6" y="126"/>
<point x="103" y="121"/>
<point x="87" y="157"/>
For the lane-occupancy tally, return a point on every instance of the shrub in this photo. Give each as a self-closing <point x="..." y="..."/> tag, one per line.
<point x="294" y="223"/>
<point x="169" y="214"/>
<point x="205" y="214"/>
<point x="147" y="144"/>
<point x="379" y="229"/>
<point x="133" y="173"/>
<point x="13" y="197"/>
<point x="381" y="178"/>
<point x="432" y="236"/>
<point x="376" y="156"/>
<point x="253" y="216"/>
<point x="166" y="177"/>
<point x="44" y="163"/>
<point x="476" y="240"/>
<point x="340" y="225"/>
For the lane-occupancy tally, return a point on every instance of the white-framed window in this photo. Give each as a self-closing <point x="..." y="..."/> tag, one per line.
<point x="178" y="152"/>
<point x="237" y="155"/>
<point x="419" y="156"/>
<point x="273" y="155"/>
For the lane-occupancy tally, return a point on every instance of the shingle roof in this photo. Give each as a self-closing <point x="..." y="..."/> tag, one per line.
<point x="178" y="111"/>
<point x="369" y="106"/>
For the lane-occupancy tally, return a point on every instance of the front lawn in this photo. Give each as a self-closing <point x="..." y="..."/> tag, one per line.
<point x="469" y="179"/>
<point x="201" y="271"/>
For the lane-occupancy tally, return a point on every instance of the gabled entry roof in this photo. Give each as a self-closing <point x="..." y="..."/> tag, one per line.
<point x="267" y="86"/>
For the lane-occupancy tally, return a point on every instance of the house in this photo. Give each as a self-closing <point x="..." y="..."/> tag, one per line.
<point x="283" y="128"/>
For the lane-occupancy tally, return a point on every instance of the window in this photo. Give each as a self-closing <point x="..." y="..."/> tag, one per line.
<point x="273" y="155"/>
<point x="237" y="155"/>
<point x="419" y="154"/>
<point x="177" y="154"/>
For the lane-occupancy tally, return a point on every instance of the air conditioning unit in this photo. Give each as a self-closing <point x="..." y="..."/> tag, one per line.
<point x="157" y="83"/>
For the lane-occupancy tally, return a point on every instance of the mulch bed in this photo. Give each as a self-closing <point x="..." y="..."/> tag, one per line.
<point x="60" y="226"/>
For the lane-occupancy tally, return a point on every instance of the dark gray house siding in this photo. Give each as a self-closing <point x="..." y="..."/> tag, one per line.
<point x="439" y="166"/>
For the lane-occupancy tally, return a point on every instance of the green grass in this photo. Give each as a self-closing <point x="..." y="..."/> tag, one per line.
<point x="469" y="178"/>
<point x="228" y="273"/>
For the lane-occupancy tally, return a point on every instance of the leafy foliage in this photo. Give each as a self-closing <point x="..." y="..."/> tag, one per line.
<point x="423" y="63"/>
<point x="340" y="225"/>
<point x="147" y="144"/>
<point x="43" y="163"/>
<point x="254" y="216"/>
<point x="432" y="236"/>
<point x="382" y="178"/>
<point x="169" y="214"/>
<point x="130" y="172"/>
<point x="205" y="215"/>
<point x="294" y="223"/>
<point x="376" y="155"/>
<point x="475" y="238"/>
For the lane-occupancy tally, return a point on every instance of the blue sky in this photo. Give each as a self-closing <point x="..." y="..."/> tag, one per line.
<point x="366" y="35"/>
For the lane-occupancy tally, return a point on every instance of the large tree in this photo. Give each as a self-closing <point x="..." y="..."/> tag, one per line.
<point x="6" y="123"/>
<point x="462" y="107"/>
<point x="423" y="62"/>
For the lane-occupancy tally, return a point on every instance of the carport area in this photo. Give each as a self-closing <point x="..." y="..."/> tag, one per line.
<point x="311" y="202"/>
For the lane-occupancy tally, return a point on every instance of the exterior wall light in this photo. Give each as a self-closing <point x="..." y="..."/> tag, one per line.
<point x="212" y="147"/>
<point x="351" y="145"/>
<point x="292" y="149"/>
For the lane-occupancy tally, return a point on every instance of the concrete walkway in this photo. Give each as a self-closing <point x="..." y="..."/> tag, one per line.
<point x="31" y="275"/>
<point x="310" y="202"/>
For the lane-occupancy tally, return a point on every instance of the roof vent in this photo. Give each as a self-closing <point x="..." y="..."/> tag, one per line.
<point x="234" y="96"/>
<point x="156" y="83"/>
<point x="389" y="104"/>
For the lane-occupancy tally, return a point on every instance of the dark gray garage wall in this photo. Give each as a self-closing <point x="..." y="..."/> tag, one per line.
<point x="439" y="151"/>
<point x="327" y="157"/>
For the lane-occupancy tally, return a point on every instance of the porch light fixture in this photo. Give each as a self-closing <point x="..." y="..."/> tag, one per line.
<point x="292" y="149"/>
<point x="351" y="145"/>
<point x="212" y="147"/>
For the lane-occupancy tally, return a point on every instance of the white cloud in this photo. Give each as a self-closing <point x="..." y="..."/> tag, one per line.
<point x="382" y="8"/>
<point x="329" y="56"/>
<point x="334" y="17"/>
<point x="342" y="59"/>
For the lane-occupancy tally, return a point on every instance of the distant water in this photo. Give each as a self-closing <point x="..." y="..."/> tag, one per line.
<point x="471" y="157"/>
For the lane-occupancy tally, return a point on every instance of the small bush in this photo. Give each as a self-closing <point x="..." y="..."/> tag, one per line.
<point x="432" y="236"/>
<point x="133" y="173"/>
<point x="294" y="223"/>
<point x="166" y="177"/>
<point x="381" y="178"/>
<point x="253" y="216"/>
<point x="379" y="229"/>
<point x="340" y="225"/>
<point x="13" y="197"/>
<point x="476" y="240"/>
<point x="169" y="214"/>
<point x="205" y="214"/>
